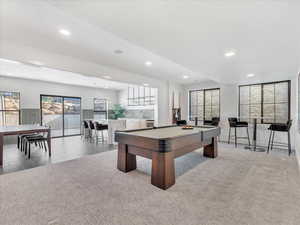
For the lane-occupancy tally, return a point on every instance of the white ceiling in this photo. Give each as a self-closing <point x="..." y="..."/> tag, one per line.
<point x="15" y="69"/>
<point x="180" y="37"/>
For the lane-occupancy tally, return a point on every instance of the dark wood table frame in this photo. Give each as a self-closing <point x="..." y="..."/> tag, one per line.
<point x="22" y="129"/>
<point x="162" y="152"/>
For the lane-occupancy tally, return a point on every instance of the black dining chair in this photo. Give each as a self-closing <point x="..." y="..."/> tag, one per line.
<point x="280" y="127"/>
<point x="235" y="123"/>
<point x="181" y="122"/>
<point x="21" y="139"/>
<point x="39" y="140"/>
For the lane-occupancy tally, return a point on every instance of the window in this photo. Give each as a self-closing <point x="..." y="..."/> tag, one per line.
<point x="204" y="104"/>
<point x="100" y="109"/>
<point x="141" y="96"/>
<point x="9" y="108"/>
<point x="270" y="102"/>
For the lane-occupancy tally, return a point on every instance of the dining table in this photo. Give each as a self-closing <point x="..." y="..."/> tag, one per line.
<point x="21" y="130"/>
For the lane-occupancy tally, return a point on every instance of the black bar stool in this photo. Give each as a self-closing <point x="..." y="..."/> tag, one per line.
<point x="92" y="128"/>
<point x="100" y="127"/>
<point x="280" y="127"/>
<point x="234" y="123"/>
<point x="181" y="122"/>
<point x="85" y="130"/>
<point x="213" y="122"/>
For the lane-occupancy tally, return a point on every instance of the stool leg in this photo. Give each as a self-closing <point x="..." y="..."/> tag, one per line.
<point x="18" y="142"/>
<point x="289" y="143"/>
<point x="45" y="146"/>
<point x="25" y="147"/>
<point x="269" y="143"/>
<point x="235" y="137"/>
<point x="21" y="145"/>
<point x="229" y="135"/>
<point x="29" y="150"/>
<point x="248" y="137"/>
<point x="272" y="140"/>
<point x="102" y="136"/>
<point x="97" y="133"/>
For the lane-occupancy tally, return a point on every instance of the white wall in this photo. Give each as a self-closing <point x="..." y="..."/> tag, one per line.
<point x="30" y="91"/>
<point x="30" y="94"/>
<point x="229" y="108"/>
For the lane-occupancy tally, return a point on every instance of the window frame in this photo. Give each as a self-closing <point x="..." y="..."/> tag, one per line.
<point x="63" y="112"/>
<point x="261" y="121"/>
<point x="101" y="111"/>
<point x="204" y="90"/>
<point x="140" y="101"/>
<point x="19" y="110"/>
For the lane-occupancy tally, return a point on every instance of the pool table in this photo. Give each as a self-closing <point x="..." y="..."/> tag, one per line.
<point x="162" y="145"/>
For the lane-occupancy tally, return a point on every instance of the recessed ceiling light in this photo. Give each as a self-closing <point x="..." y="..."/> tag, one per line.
<point x="250" y="75"/>
<point x="146" y="85"/>
<point x="185" y="77"/>
<point x="229" y="53"/>
<point x="107" y="77"/>
<point x="148" y="63"/>
<point x="65" y="32"/>
<point x="118" y="51"/>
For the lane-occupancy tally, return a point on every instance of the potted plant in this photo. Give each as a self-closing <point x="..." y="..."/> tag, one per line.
<point x="118" y="111"/>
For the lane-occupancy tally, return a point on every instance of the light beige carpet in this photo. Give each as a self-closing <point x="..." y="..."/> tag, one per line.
<point x="239" y="187"/>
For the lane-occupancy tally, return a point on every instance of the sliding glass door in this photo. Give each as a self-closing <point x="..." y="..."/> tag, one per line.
<point x="72" y="109"/>
<point x="62" y="114"/>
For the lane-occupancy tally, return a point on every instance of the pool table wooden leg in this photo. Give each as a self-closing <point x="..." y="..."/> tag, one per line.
<point x="163" y="170"/>
<point x="126" y="161"/>
<point x="211" y="150"/>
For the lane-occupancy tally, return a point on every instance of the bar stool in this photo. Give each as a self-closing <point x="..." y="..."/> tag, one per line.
<point x="234" y="123"/>
<point x="100" y="128"/>
<point x="86" y="130"/>
<point x="91" y="128"/>
<point x="280" y="127"/>
<point x="181" y="122"/>
<point x="213" y="122"/>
